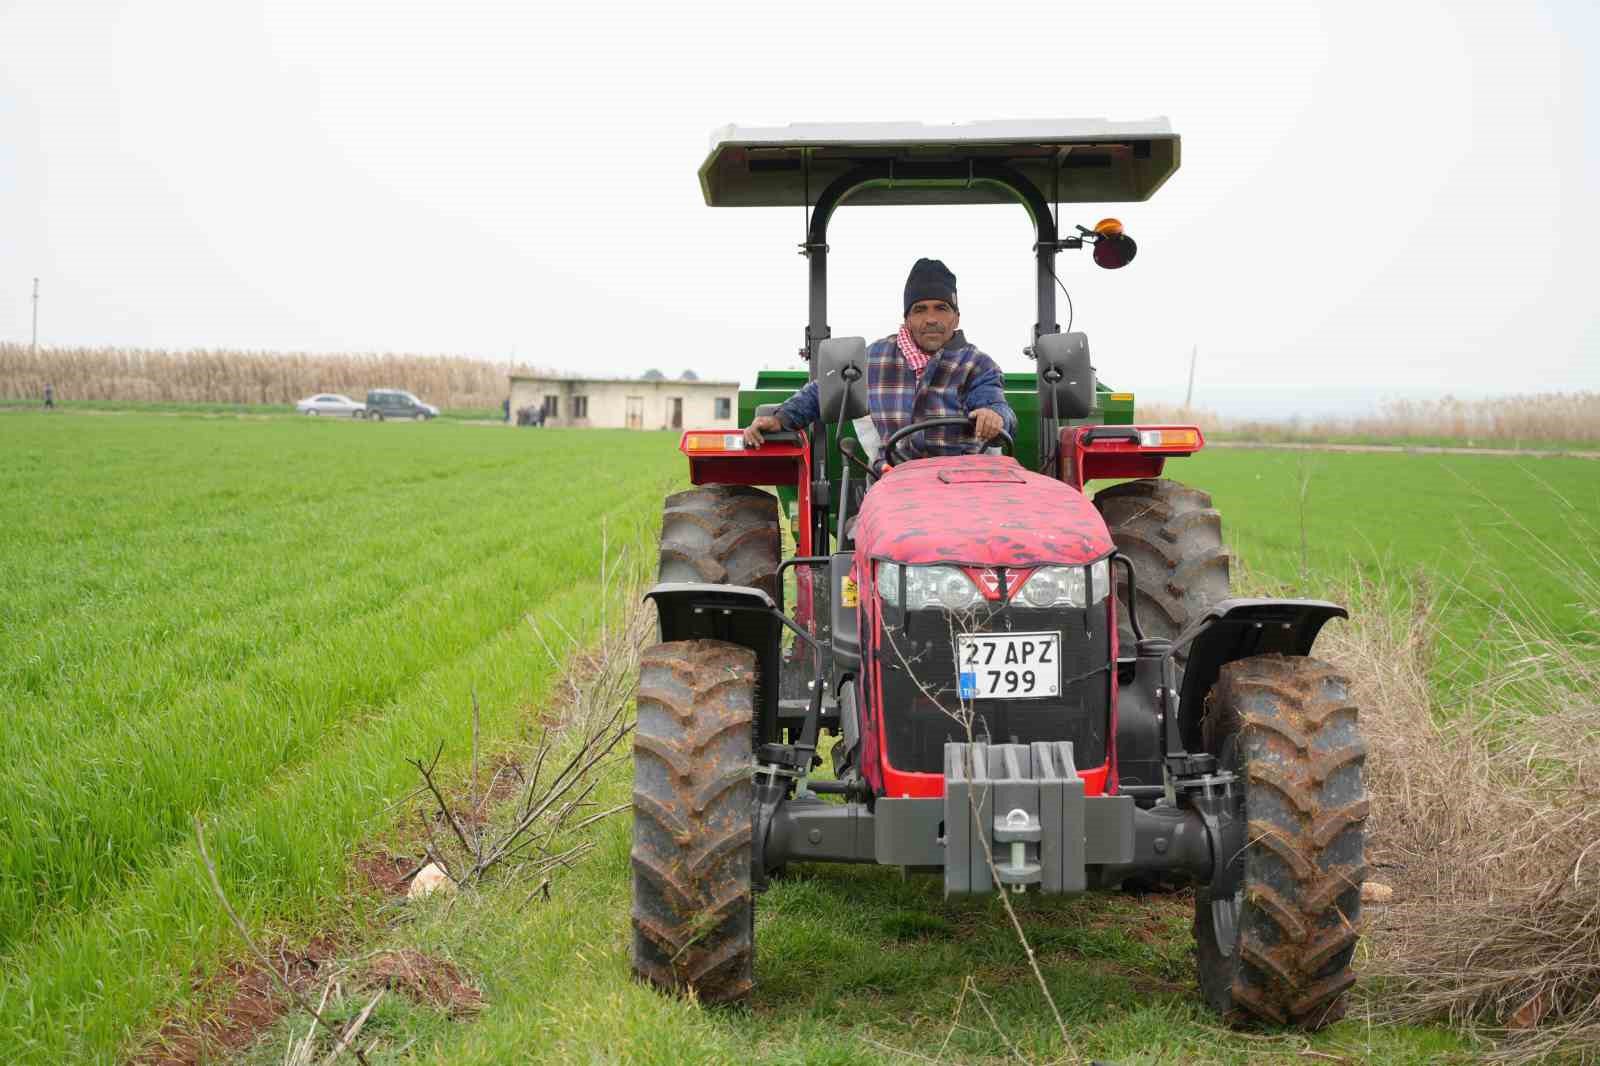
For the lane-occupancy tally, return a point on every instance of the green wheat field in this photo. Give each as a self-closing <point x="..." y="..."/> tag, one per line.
<point x="258" y="621"/>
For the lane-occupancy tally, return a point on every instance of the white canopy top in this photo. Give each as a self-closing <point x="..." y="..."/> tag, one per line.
<point x="1080" y="160"/>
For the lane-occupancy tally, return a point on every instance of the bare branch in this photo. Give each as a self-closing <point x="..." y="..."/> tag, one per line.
<point x="478" y="836"/>
<point x="244" y="931"/>
<point x="348" y="1039"/>
<point x="995" y="1022"/>
<point x="444" y="805"/>
<point x="549" y="804"/>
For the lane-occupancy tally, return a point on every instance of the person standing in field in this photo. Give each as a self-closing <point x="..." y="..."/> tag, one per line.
<point x="49" y="396"/>
<point x="505" y="410"/>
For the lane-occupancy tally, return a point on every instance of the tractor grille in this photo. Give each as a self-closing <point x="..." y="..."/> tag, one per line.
<point x="918" y="665"/>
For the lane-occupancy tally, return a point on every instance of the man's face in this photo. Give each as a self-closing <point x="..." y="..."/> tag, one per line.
<point x="931" y="323"/>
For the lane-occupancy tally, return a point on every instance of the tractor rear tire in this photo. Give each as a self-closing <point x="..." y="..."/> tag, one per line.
<point x="693" y="911"/>
<point x="723" y="535"/>
<point x="1286" y="726"/>
<point x="1173" y="536"/>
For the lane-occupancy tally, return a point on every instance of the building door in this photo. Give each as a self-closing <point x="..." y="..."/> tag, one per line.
<point x="676" y="403"/>
<point x="635" y="414"/>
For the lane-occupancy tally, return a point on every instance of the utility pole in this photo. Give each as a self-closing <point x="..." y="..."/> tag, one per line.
<point x="1188" y="397"/>
<point x="33" y="351"/>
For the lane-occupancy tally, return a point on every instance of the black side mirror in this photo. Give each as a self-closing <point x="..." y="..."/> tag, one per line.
<point x="842" y="377"/>
<point x="1066" y="380"/>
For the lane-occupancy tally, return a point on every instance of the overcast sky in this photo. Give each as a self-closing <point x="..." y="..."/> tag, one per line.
<point x="1376" y="199"/>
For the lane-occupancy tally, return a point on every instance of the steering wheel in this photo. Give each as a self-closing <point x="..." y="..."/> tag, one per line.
<point x="1002" y="438"/>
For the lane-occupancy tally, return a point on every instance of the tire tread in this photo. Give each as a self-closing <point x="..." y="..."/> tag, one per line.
<point x="692" y="902"/>
<point x="1173" y="536"/>
<point x="1300" y="753"/>
<point x="721" y="534"/>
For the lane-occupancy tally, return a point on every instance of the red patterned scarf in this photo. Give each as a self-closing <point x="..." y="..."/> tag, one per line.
<point x="916" y="358"/>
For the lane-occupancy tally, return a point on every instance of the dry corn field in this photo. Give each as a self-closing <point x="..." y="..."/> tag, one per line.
<point x="141" y="375"/>
<point x="1547" y="418"/>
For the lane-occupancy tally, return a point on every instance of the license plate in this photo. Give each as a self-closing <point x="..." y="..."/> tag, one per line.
<point x="1009" y="666"/>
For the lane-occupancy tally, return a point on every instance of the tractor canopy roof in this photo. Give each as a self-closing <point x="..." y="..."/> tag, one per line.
<point x="1073" y="160"/>
<point x="979" y="510"/>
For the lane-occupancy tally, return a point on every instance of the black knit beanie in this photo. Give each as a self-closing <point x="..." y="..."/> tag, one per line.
<point x="930" y="280"/>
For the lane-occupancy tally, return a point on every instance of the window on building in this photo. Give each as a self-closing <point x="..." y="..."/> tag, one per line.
<point x="552" y="407"/>
<point x="724" y="407"/>
<point x="580" y="407"/>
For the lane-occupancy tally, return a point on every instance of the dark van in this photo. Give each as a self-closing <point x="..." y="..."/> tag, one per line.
<point x="398" y="403"/>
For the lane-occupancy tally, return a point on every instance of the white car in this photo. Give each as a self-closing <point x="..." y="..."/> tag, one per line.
<point x="331" y="403"/>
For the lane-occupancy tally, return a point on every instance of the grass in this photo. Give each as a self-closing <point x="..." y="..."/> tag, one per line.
<point x="1466" y="523"/>
<point x="260" y="620"/>
<point x="1270" y="433"/>
<point x="855" y="965"/>
<point x="1494" y="923"/>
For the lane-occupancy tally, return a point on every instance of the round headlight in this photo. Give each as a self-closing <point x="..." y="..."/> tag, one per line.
<point x="955" y="590"/>
<point x="1043" y="588"/>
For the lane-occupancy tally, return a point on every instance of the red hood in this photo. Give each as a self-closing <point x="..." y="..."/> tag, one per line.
<point x="981" y="510"/>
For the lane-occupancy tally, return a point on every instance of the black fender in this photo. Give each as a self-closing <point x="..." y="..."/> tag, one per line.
<point x="1238" y="629"/>
<point x="738" y="614"/>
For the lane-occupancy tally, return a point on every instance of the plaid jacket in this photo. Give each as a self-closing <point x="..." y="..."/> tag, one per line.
<point x="957" y="381"/>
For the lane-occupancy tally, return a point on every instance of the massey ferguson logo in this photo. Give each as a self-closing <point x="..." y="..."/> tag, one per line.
<point x="989" y="582"/>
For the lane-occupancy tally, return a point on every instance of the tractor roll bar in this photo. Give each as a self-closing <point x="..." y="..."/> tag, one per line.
<point x="886" y="173"/>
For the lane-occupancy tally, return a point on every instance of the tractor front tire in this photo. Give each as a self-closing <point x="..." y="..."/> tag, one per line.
<point x="1173" y="536"/>
<point x="722" y="535"/>
<point x="693" y="911"/>
<point x="1279" y="950"/>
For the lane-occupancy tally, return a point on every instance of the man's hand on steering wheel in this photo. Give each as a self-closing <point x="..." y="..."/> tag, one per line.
<point x="986" y="423"/>
<point x="996" y="434"/>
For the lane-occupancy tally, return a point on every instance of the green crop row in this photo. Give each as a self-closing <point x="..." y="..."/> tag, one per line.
<point x="1473" y="531"/>
<point x="258" y="622"/>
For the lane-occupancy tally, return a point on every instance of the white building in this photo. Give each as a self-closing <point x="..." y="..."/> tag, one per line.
<point x="626" y="403"/>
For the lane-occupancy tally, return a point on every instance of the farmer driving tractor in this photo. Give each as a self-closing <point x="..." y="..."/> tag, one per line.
<point x="1031" y="686"/>
<point x="927" y="370"/>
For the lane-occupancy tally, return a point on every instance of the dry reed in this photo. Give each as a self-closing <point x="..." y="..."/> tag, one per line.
<point x="1485" y="819"/>
<point x="1542" y="419"/>
<point x="139" y="375"/>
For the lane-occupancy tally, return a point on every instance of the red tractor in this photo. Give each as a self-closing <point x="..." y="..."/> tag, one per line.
<point x="1027" y="689"/>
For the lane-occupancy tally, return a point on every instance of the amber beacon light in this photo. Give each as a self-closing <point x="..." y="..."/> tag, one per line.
<point x="1112" y="247"/>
